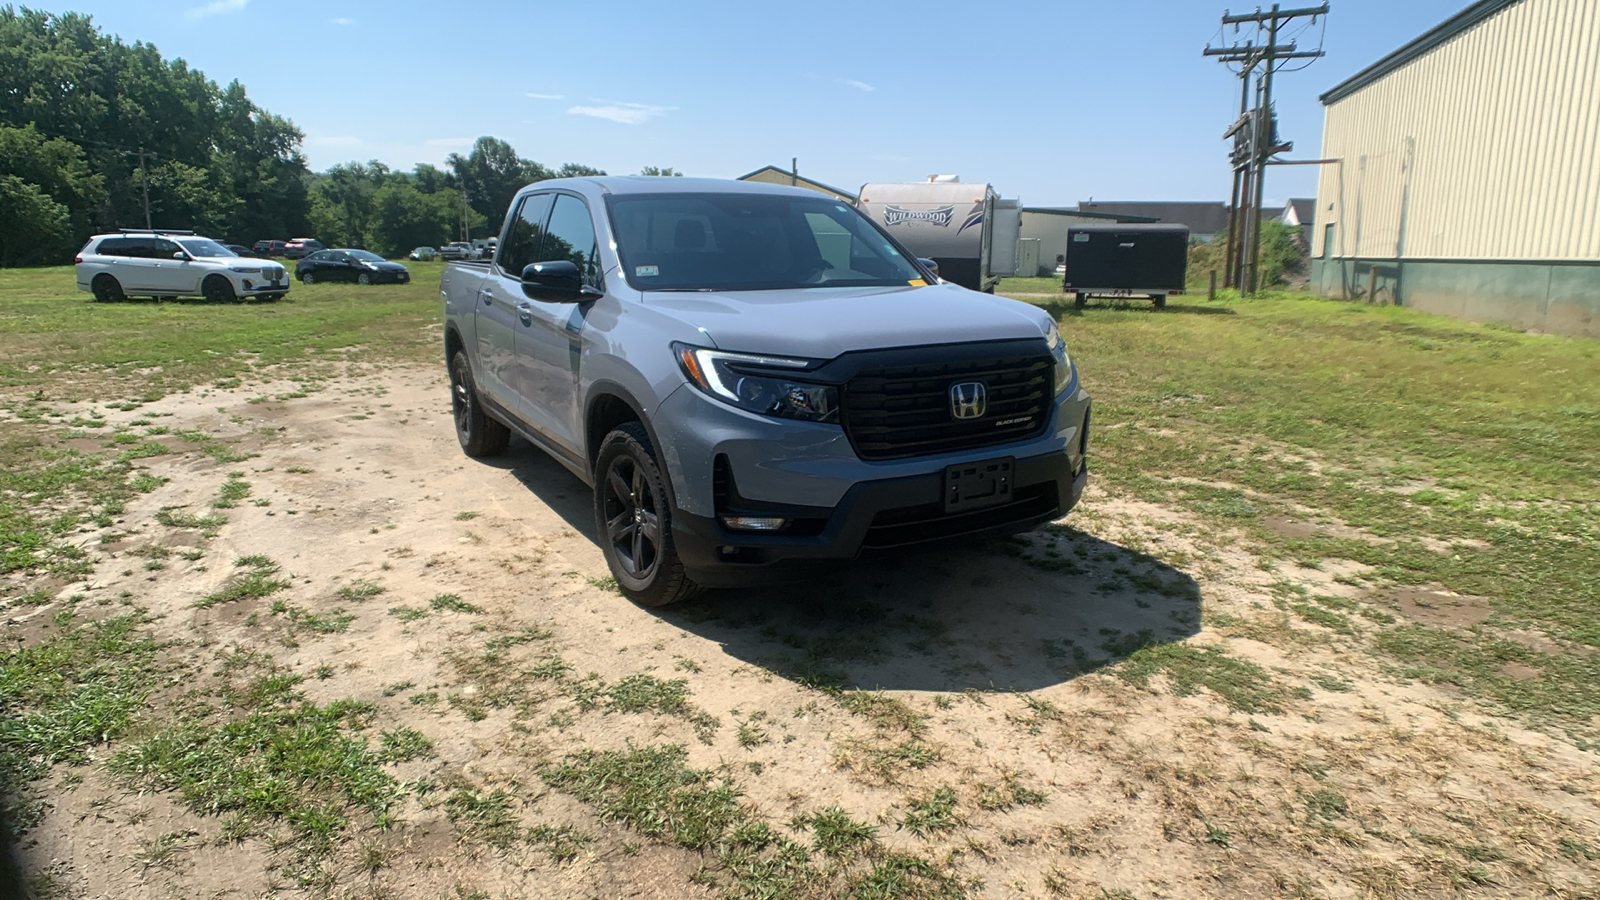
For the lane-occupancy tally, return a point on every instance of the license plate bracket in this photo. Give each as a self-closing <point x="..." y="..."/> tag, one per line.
<point x="979" y="484"/>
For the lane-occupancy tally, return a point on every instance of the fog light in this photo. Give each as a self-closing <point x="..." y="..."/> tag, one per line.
<point x="753" y="523"/>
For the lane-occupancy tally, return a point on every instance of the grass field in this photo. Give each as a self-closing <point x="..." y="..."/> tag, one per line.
<point x="1337" y="582"/>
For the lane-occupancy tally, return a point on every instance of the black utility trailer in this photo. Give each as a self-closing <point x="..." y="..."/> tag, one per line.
<point x="1124" y="260"/>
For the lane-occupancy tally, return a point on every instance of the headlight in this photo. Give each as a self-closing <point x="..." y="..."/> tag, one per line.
<point x="1058" y="349"/>
<point x="747" y="382"/>
<point x="245" y="270"/>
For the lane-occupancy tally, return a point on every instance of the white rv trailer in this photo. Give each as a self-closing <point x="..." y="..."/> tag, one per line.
<point x="966" y="229"/>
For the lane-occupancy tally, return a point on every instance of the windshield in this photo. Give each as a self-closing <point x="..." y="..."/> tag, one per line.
<point x="202" y="247"/>
<point x="751" y="242"/>
<point x="366" y="255"/>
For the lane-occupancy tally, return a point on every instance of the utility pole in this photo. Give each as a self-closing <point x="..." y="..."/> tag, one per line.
<point x="144" y="182"/>
<point x="1255" y="133"/>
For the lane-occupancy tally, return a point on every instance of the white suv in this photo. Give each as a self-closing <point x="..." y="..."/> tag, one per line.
<point x="173" y="264"/>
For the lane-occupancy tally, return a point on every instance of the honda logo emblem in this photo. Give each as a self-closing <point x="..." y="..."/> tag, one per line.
<point x="969" y="400"/>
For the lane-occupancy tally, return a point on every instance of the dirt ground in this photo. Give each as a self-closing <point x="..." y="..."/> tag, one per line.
<point x="1289" y="762"/>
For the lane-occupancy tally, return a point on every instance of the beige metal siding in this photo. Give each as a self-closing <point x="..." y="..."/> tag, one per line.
<point x="1486" y="147"/>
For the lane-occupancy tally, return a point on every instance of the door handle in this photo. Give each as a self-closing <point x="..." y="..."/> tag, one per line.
<point x="525" y="310"/>
<point x="488" y="296"/>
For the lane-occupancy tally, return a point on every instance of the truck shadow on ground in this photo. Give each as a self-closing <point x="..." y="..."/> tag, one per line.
<point x="1008" y="614"/>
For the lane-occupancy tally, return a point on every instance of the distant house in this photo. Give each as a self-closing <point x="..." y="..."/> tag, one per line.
<point x="1301" y="213"/>
<point x="1206" y="220"/>
<point x="775" y="175"/>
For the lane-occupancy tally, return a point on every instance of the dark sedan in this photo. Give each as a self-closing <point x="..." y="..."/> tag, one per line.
<point x="242" y="250"/>
<point x="349" y="265"/>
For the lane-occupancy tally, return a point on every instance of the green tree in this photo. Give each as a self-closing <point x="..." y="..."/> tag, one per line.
<point x="492" y="174"/>
<point x="212" y="159"/>
<point x="33" y="227"/>
<point x="657" y="170"/>
<point x="405" y="217"/>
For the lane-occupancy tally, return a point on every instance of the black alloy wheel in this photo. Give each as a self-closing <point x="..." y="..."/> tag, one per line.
<point x="363" y="278"/>
<point x="633" y="516"/>
<point x="218" y="289"/>
<point x="308" y="277"/>
<point x="479" y="435"/>
<point x="107" y="289"/>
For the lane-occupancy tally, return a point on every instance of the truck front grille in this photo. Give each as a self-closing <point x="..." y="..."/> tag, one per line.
<point x="901" y="411"/>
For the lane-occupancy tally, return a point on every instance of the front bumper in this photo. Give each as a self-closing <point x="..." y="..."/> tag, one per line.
<point x="873" y="517"/>
<point x="724" y="461"/>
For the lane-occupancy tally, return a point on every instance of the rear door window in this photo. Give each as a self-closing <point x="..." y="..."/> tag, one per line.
<point x="524" y="235"/>
<point x="570" y="236"/>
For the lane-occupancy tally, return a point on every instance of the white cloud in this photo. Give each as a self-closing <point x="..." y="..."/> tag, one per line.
<point x="544" y="96"/>
<point x="626" y="113"/>
<point x="216" y="7"/>
<point x="341" y="21"/>
<point x="858" y="85"/>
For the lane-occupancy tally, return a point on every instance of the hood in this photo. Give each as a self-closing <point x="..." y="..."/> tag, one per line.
<point x="821" y="323"/>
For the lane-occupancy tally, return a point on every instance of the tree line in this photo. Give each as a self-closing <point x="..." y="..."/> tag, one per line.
<point x="92" y="129"/>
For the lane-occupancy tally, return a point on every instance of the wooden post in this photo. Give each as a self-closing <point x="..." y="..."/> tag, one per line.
<point x="1372" y="284"/>
<point x="1212" y="293"/>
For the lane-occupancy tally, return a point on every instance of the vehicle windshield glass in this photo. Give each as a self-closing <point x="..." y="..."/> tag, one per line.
<point x="751" y="242"/>
<point x="203" y="248"/>
<point x="366" y="255"/>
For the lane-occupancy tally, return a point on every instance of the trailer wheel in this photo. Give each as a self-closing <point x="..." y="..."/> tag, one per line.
<point x="1161" y="301"/>
<point x="989" y="289"/>
<point x="1080" y="299"/>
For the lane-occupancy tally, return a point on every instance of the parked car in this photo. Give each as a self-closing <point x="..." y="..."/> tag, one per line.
<point x="269" y="248"/>
<point x="423" y="254"/>
<point x="172" y="264"/>
<point x="299" y="248"/>
<point x="484" y="249"/>
<point x="350" y="265"/>
<point x="456" y="250"/>
<point x="659" y="338"/>
<point x="242" y="250"/>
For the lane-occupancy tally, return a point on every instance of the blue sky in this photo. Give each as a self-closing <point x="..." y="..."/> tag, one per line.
<point x="1054" y="101"/>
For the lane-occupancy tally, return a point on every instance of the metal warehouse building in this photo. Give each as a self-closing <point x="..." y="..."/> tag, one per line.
<point x="1465" y="176"/>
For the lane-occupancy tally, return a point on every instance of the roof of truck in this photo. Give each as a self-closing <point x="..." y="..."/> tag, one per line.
<point x="657" y="184"/>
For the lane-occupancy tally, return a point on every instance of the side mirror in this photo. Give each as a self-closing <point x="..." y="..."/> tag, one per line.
<point x="180" y="255"/>
<point x="557" y="281"/>
<point x="930" y="265"/>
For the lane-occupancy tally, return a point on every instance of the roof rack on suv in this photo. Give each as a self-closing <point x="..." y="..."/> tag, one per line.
<point x="153" y="231"/>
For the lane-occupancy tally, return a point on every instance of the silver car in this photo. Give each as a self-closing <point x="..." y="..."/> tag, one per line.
<point x="754" y="378"/>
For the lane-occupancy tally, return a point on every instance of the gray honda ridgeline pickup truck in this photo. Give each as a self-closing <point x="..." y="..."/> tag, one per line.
<point x="751" y="375"/>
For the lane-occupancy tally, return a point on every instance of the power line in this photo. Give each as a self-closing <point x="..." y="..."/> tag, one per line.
<point x="1255" y="132"/>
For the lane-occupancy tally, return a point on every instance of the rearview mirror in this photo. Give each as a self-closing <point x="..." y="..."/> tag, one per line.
<point x="930" y="265"/>
<point x="557" y="281"/>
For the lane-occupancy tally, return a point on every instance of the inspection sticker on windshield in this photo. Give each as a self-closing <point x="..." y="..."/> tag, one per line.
<point x="917" y="282"/>
<point x="646" y="271"/>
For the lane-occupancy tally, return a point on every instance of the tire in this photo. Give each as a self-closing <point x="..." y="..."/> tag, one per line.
<point x="308" y="277"/>
<point x="363" y="278"/>
<point x="1080" y="300"/>
<point x="218" y="289"/>
<point x="107" y="289"/>
<point x="633" y="518"/>
<point x="1160" y="301"/>
<point x="480" y="436"/>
